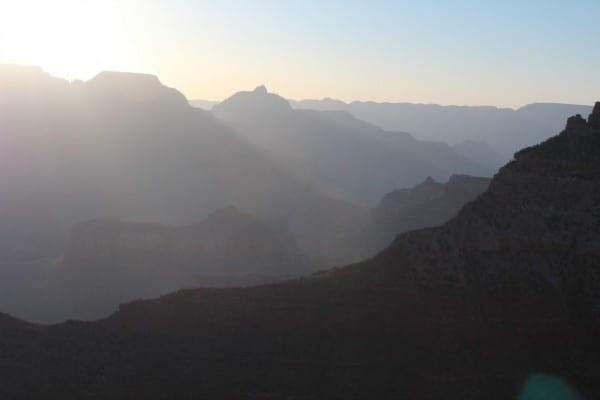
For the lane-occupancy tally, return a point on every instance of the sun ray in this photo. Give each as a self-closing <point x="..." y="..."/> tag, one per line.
<point x="71" y="39"/>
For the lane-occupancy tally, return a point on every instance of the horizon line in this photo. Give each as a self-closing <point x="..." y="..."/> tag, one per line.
<point x="346" y="102"/>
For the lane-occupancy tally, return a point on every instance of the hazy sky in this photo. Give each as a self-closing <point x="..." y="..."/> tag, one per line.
<point x="504" y="53"/>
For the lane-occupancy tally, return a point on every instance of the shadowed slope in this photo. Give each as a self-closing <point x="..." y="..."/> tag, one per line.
<point x="468" y="310"/>
<point x="428" y="204"/>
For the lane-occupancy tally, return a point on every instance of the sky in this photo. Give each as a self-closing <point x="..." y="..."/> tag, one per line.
<point x="505" y="53"/>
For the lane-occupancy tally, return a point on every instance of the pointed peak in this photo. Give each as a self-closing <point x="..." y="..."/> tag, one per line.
<point x="575" y="145"/>
<point x="262" y="89"/>
<point x="576" y="122"/>
<point x="428" y="184"/>
<point x="594" y="118"/>
<point x="252" y="103"/>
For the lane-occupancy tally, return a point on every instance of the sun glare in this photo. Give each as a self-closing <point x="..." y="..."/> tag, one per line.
<point x="70" y="39"/>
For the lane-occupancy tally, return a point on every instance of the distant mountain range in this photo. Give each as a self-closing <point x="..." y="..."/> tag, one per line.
<point x="123" y="147"/>
<point x="484" y="134"/>
<point x="340" y="156"/>
<point x="506" y="130"/>
<point x="476" y="308"/>
<point x="120" y="146"/>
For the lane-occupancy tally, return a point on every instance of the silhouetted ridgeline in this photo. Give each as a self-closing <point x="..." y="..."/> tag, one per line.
<point x="468" y="310"/>
<point x="428" y="204"/>
<point x="124" y="147"/>
<point x="504" y="129"/>
<point x="120" y="146"/>
<point x="341" y="156"/>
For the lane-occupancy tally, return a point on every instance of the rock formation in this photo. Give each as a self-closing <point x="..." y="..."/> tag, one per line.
<point x="576" y="122"/>
<point x="594" y="118"/>
<point x="425" y="205"/>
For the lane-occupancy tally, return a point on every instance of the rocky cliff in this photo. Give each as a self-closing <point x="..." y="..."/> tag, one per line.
<point x="535" y="230"/>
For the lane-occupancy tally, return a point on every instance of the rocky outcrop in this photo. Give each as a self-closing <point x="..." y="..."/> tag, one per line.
<point x="455" y="193"/>
<point x="576" y="122"/>
<point x="534" y="230"/>
<point x="425" y="205"/>
<point x="594" y="118"/>
<point x="403" y="198"/>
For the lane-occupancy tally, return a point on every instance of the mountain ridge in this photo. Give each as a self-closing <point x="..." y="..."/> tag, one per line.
<point x="506" y="130"/>
<point x="468" y="310"/>
<point x="341" y="155"/>
<point x="565" y="164"/>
